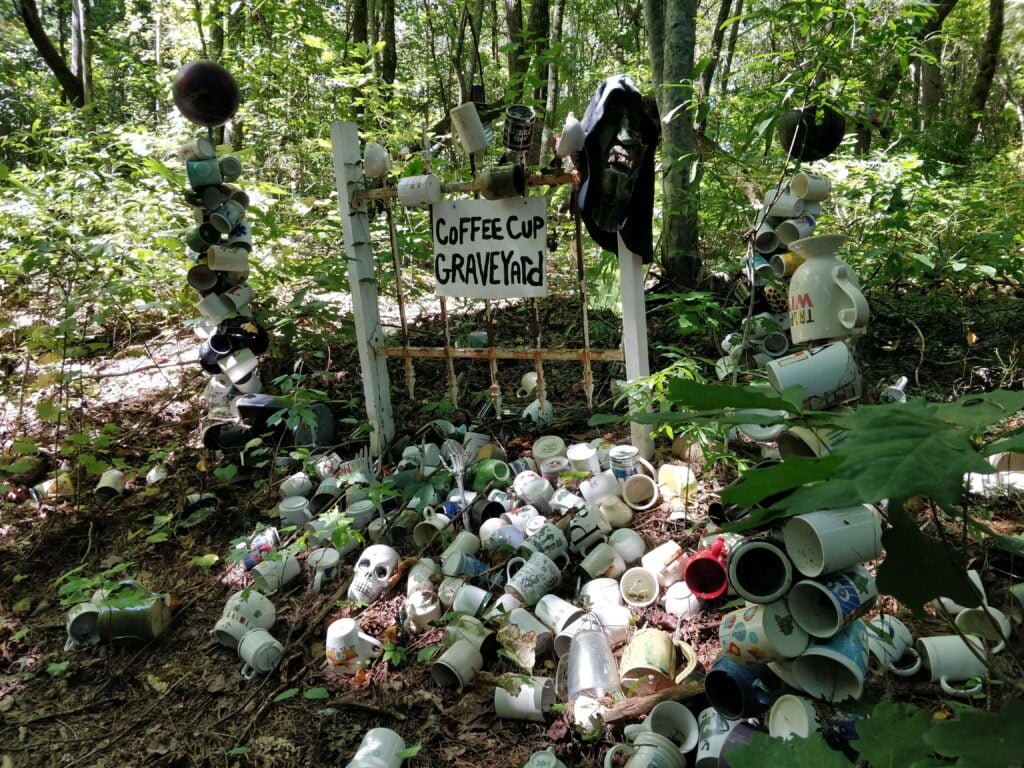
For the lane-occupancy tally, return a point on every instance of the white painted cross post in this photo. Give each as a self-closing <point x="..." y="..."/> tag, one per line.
<point x="634" y="335"/>
<point x="362" y="281"/>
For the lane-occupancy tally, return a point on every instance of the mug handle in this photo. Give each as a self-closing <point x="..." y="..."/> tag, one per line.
<point x="716" y="548"/>
<point x="650" y="468"/>
<point x="378" y="646"/>
<point x="633" y="730"/>
<point x="857" y="315"/>
<point x="508" y="566"/>
<point x="914" y="667"/>
<point x="248" y="672"/>
<point x="960" y="692"/>
<point x="318" y="582"/>
<point x="691" y="660"/>
<point x="626" y="748"/>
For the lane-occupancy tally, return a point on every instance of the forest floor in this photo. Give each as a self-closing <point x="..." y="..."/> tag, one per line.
<point x="179" y="700"/>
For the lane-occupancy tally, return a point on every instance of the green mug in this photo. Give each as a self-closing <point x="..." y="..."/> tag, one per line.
<point x="493" y="472"/>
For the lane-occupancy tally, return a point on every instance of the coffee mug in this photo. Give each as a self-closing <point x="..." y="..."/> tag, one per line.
<point x="648" y="750"/>
<point x="548" y="540"/>
<point x="648" y="663"/>
<point x="739" y="691"/>
<point x="828" y="374"/>
<point x="713" y="729"/>
<point x="415" y="191"/>
<point x="294" y="511"/>
<point x="680" y="602"/>
<point x="523" y="626"/>
<point x="530" y="580"/>
<point x="110" y="486"/>
<point x="833" y="669"/>
<point x="986" y="622"/>
<point x="380" y="748"/>
<point x="587" y="527"/>
<point x="810" y="187"/>
<point x="522" y="697"/>
<point x="555" y="613"/>
<point x="429" y="530"/>
<point x="953" y="659"/>
<point x="629" y="544"/>
<point x="272" y="574"/>
<point x="639" y="587"/>
<point x="502" y="606"/>
<point x="469" y="128"/>
<point x="640" y="492"/>
<point x="795" y="229"/>
<point x="890" y="641"/>
<point x="457" y="666"/>
<point x="705" y="572"/>
<point x="491" y="472"/>
<point x="603" y="560"/>
<point x="833" y="539"/>
<point x="762" y="632"/>
<point x="617" y="512"/>
<point x="583" y="458"/>
<point x="668" y="560"/>
<point x="824" y="606"/>
<point x="669" y="719"/>
<point x="527" y="385"/>
<point x="260" y="652"/>
<point x="348" y="648"/>
<point x="324" y="564"/>
<point x="599" y="485"/>
<point x="601" y="590"/>
<point x="244" y="610"/>
<point x="760" y="570"/>
<point x="470" y="599"/>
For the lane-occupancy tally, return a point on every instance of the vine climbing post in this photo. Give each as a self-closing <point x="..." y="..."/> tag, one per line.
<point x="634" y="337"/>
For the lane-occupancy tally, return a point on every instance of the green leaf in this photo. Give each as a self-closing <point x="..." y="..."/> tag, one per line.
<point x="159" y="536"/>
<point x="795" y="471"/>
<point x="896" y="452"/>
<point x="239" y="751"/>
<point x="316" y="693"/>
<point x="710" y="397"/>
<point x="225" y="474"/>
<point x="980" y="739"/>
<point x="427" y="653"/>
<point x="893" y="736"/>
<point x="408" y="752"/>
<point x="763" y="751"/>
<point x="285" y="695"/>
<point x="1013" y="444"/>
<point x="4" y="172"/>
<point x="918" y="568"/>
<point x="48" y="411"/>
<point x="204" y="561"/>
<point x="56" y="669"/>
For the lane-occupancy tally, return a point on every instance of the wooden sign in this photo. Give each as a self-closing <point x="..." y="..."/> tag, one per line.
<point x="491" y="249"/>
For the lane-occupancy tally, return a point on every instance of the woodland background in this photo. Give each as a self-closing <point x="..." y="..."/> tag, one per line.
<point x="97" y="364"/>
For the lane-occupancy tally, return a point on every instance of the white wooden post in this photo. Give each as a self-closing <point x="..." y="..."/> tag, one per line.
<point x="362" y="281"/>
<point x="634" y="335"/>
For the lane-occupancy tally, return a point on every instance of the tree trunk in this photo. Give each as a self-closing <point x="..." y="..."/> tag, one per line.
<point x="551" y="104"/>
<point x="717" y="36"/>
<point x="197" y="17"/>
<point x="518" y="61"/>
<point x="538" y="32"/>
<point x="894" y="76"/>
<point x="389" y="56"/>
<point x="986" y="70"/>
<point x="69" y="83"/>
<point x="158" y="57"/>
<point x="723" y="80"/>
<point x="672" y="65"/>
<point x="930" y="92"/>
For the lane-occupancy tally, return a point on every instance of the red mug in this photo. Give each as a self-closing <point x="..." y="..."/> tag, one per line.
<point x="706" y="574"/>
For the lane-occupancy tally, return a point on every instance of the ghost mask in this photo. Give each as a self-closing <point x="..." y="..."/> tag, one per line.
<point x="373" y="572"/>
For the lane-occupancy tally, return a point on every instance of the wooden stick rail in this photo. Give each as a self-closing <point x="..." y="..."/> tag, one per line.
<point x="511" y="353"/>
<point x="551" y="180"/>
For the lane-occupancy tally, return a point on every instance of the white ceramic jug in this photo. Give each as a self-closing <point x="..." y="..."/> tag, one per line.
<point x="825" y="301"/>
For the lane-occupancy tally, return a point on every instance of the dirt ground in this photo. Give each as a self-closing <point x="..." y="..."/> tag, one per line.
<point x="179" y="700"/>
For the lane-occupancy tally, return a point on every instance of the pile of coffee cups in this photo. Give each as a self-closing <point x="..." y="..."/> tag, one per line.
<point x="221" y="245"/>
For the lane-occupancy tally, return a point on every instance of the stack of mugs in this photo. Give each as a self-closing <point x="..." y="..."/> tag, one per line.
<point x="806" y="589"/>
<point x="221" y="245"/>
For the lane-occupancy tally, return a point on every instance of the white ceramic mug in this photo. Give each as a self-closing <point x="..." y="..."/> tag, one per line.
<point x="650" y="661"/>
<point x="527" y="385"/>
<point x="599" y="485"/>
<point x="348" y="648"/>
<point x="521" y="697"/>
<point x="556" y="613"/>
<point x="828" y="374"/>
<point x="639" y="587"/>
<point x="457" y="666"/>
<point x="640" y="492"/>
<point x="260" y="652"/>
<point x="380" y="748"/>
<point x="324" y="564"/>
<point x="890" y="641"/>
<point x="667" y="560"/>
<point x="469" y="128"/>
<point x="986" y="622"/>
<point x="629" y="544"/>
<point x="669" y="719"/>
<point x="809" y="186"/>
<point x="601" y="590"/>
<point x="530" y="580"/>
<point x="950" y="659"/>
<point x="415" y="191"/>
<point x="583" y="458"/>
<point x="762" y="632"/>
<point x="269" y="575"/>
<point x="680" y="601"/>
<point x="833" y="669"/>
<point x="833" y="539"/>
<point x="603" y="560"/>
<point x="587" y="527"/>
<point x="824" y="606"/>
<point x="525" y="624"/>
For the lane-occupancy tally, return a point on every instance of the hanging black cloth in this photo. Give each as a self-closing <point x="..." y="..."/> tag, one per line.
<point x="617" y="166"/>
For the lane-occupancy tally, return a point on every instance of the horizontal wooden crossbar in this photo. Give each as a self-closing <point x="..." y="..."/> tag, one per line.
<point x="598" y="355"/>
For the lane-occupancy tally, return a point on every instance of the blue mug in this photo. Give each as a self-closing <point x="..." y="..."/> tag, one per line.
<point x="739" y="691"/>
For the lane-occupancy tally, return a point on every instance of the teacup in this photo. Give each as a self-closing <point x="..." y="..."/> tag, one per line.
<point x="260" y="652"/>
<point x="349" y="649"/>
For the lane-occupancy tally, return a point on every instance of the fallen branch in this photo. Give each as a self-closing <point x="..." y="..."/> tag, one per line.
<point x="635" y="707"/>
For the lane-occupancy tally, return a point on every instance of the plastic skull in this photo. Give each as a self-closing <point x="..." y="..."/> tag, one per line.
<point x="373" y="572"/>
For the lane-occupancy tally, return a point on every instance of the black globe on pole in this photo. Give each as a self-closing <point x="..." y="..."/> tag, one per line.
<point x="205" y="93"/>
